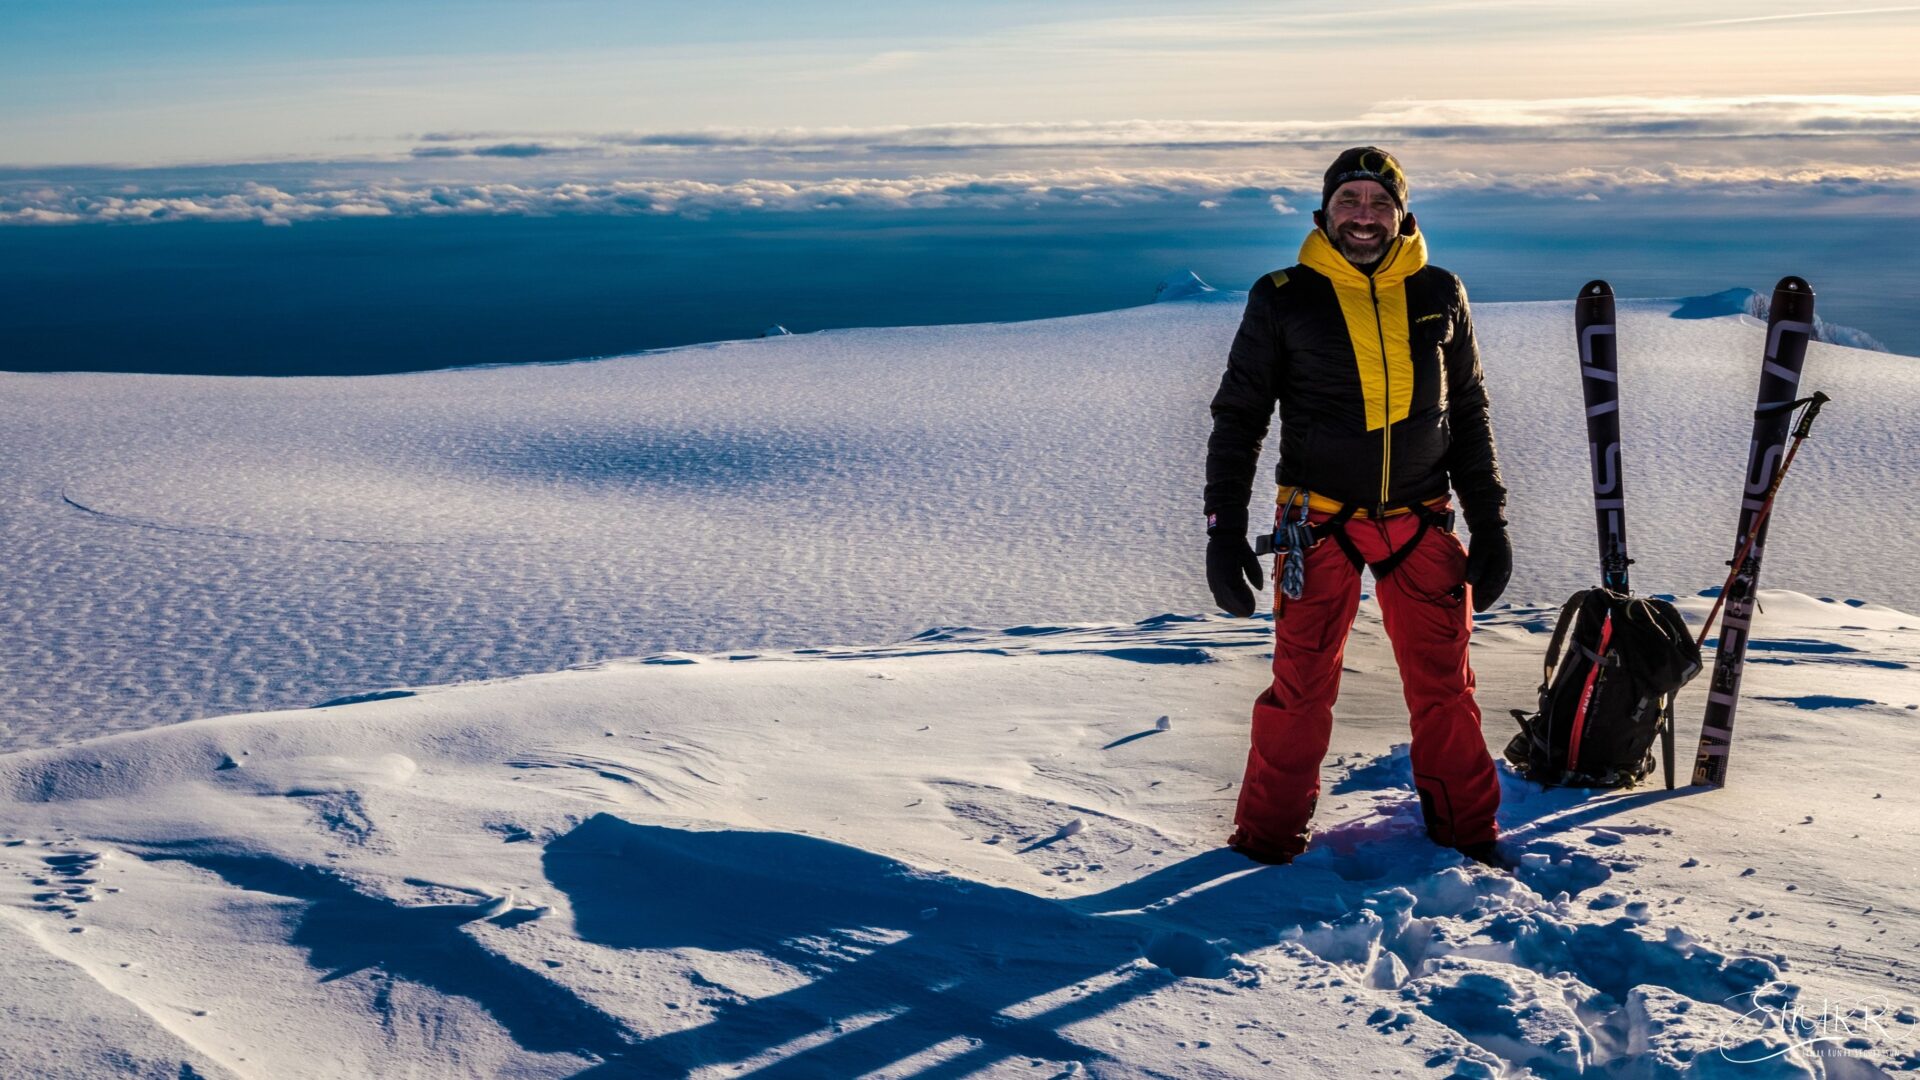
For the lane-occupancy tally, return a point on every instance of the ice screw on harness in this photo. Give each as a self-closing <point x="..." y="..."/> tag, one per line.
<point x="1292" y="537"/>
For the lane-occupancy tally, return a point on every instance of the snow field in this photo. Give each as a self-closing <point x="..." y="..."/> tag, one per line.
<point x="726" y="841"/>
<point x="182" y="547"/>
<point x="974" y="852"/>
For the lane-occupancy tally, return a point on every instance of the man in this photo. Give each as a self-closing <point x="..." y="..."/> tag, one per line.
<point x="1369" y="353"/>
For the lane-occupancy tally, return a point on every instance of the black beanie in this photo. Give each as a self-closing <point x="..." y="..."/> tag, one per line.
<point x="1365" y="163"/>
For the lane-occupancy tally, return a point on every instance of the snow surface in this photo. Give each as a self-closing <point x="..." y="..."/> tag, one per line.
<point x="754" y="847"/>
<point x="188" y="546"/>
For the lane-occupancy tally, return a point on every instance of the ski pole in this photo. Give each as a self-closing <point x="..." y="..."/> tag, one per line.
<point x="1800" y="432"/>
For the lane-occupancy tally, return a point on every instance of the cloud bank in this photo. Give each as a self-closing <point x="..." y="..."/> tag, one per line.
<point x="1830" y="146"/>
<point x="1492" y="121"/>
<point x="282" y="205"/>
<point x="1283" y="191"/>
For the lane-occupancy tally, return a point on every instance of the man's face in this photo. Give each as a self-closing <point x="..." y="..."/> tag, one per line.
<point x="1362" y="219"/>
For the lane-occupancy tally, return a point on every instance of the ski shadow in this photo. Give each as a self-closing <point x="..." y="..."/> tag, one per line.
<point x="1561" y="810"/>
<point x="1528" y="811"/>
<point x="900" y="962"/>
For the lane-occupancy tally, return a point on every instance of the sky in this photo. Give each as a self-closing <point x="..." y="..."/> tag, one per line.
<point x="719" y="87"/>
<point x="1732" y="117"/>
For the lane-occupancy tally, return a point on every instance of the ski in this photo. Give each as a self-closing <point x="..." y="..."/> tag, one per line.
<point x="1600" y="382"/>
<point x="1594" y="329"/>
<point x="1789" y="328"/>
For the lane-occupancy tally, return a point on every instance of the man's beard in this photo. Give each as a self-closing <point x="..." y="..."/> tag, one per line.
<point x="1361" y="252"/>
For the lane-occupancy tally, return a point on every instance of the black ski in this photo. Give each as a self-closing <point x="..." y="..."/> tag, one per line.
<point x="1789" y="328"/>
<point x="1593" y="326"/>
<point x="1600" y="381"/>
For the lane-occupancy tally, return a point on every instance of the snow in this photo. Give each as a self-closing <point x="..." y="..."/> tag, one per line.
<point x="553" y="748"/>
<point x="1749" y="302"/>
<point x="1187" y="285"/>
<point x="232" y="545"/>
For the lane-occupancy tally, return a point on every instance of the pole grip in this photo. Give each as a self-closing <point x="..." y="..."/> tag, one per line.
<point x="1813" y="410"/>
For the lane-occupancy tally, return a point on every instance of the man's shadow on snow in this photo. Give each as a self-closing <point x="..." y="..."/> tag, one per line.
<point x="887" y="961"/>
<point x="346" y="931"/>
<point x="898" y="961"/>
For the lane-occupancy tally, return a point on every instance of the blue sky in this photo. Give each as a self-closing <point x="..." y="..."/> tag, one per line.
<point x="119" y="82"/>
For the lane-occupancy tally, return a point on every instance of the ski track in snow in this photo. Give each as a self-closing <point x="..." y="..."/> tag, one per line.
<point x="182" y="547"/>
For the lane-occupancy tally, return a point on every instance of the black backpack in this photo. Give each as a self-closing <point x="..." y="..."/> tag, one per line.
<point x="1601" y="709"/>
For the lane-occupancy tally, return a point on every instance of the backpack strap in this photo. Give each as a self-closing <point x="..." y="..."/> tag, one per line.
<point x="1540" y="742"/>
<point x="1600" y="659"/>
<point x="1572" y="608"/>
<point x="1666" y="739"/>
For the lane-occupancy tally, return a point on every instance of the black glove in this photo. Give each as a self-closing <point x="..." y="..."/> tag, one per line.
<point x="1231" y="563"/>
<point x="1489" y="565"/>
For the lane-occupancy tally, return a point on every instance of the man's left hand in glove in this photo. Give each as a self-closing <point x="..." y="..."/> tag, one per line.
<point x="1489" y="565"/>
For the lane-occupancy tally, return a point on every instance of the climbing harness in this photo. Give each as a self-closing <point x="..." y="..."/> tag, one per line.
<point x="1294" y="536"/>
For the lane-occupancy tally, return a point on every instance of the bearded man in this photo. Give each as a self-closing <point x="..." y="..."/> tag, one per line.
<point x="1368" y="352"/>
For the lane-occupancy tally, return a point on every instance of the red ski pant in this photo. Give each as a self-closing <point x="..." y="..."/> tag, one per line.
<point x="1425" y="604"/>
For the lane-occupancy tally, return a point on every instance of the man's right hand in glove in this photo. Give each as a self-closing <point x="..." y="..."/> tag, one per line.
<point x="1231" y="564"/>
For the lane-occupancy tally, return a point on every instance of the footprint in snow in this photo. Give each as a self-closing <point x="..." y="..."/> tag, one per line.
<point x="69" y="880"/>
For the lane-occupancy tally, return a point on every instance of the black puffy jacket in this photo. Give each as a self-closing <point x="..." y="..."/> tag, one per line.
<point x="1379" y="385"/>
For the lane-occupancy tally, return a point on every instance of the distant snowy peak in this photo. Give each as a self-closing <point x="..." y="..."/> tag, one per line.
<point x="1749" y="302"/>
<point x="1725" y="302"/>
<point x="1184" y="284"/>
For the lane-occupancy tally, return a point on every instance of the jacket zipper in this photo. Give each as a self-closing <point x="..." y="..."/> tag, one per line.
<point x="1386" y="403"/>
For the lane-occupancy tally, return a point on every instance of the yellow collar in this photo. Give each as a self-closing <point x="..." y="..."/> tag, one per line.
<point x="1405" y="255"/>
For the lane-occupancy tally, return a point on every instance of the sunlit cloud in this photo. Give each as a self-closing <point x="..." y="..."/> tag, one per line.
<point x="1841" y="14"/>
<point x="1281" y="191"/>
<point x="1582" y="119"/>
<point x="1493" y="121"/>
<point x="1830" y="145"/>
<point x="892" y="60"/>
<point x="65" y="204"/>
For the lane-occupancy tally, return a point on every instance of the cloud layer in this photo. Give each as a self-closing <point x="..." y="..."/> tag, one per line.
<point x="1283" y="191"/>
<point x="1495" y="121"/>
<point x="1825" y="146"/>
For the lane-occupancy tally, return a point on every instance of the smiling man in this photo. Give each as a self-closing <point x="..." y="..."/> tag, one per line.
<point x="1369" y="354"/>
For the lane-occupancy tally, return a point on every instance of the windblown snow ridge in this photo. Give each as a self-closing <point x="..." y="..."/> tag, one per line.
<point x="1742" y="301"/>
